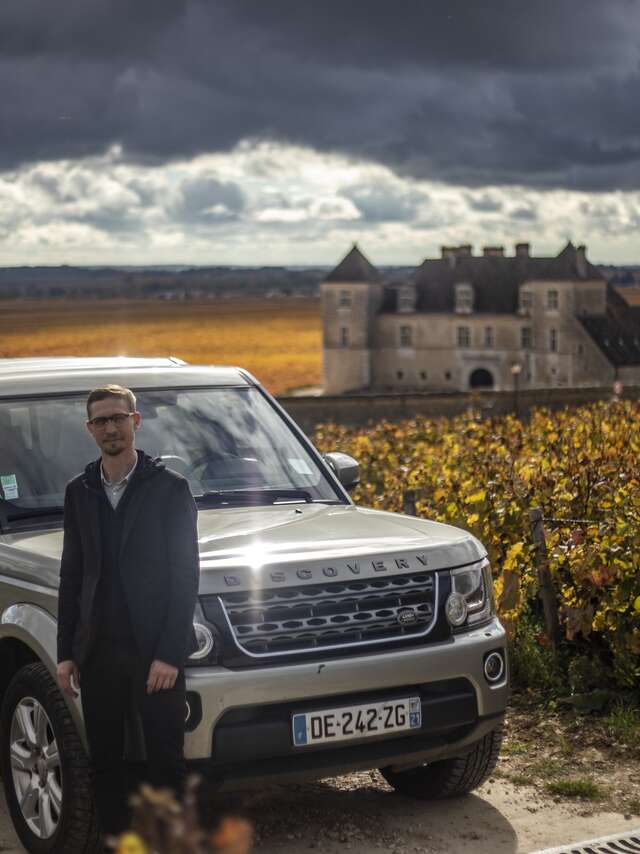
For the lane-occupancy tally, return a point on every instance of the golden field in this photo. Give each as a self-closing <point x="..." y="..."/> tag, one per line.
<point x="279" y="341"/>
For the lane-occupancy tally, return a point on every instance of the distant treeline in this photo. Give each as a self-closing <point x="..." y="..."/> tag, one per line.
<point x="158" y="283"/>
<point x="183" y="283"/>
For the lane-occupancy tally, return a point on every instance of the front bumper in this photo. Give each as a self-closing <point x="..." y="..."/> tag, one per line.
<point x="224" y="694"/>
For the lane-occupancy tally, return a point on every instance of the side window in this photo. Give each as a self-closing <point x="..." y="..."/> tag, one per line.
<point x="464" y="336"/>
<point x="552" y="300"/>
<point x="406" y="336"/>
<point x="464" y="298"/>
<point x="406" y="298"/>
<point x="344" y="336"/>
<point x="344" y="300"/>
<point x="553" y="340"/>
<point x="526" y="300"/>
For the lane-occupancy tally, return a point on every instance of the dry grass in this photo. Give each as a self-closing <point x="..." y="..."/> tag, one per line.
<point x="277" y="340"/>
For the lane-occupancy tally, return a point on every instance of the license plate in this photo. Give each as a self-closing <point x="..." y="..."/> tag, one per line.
<point x="350" y="722"/>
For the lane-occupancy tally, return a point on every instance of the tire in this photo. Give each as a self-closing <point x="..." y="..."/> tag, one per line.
<point x="44" y="766"/>
<point x="449" y="778"/>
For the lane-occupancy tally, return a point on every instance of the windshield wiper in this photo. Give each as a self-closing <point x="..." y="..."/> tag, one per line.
<point x="254" y="496"/>
<point x="24" y="513"/>
<point x="10" y="515"/>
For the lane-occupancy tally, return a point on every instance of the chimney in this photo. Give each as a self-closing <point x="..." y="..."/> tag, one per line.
<point x="464" y="250"/>
<point x="522" y="250"/>
<point x="493" y="251"/>
<point x="581" y="261"/>
<point x="449" y="254"/>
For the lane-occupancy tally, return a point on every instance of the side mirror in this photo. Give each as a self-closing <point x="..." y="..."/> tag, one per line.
<point x="345" y="468"/>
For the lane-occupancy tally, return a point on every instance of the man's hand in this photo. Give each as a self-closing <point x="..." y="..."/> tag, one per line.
<point x="161" y="676"/>
<point x="68" y="678"/>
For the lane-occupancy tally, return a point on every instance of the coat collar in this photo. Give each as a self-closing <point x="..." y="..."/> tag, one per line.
<point x="146" y="468"/>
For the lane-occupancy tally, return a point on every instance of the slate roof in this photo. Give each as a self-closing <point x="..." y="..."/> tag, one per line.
<point x="355" y="268"/>
<point x="617" y="333"/>
<point x="495" y="279"/>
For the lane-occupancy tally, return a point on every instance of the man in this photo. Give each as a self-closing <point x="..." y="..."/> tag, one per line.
<point x="128" y="587"/>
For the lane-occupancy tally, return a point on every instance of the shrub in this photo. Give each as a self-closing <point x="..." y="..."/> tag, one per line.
<point x="485" y="474"/>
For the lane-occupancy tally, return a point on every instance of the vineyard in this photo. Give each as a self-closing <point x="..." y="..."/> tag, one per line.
<point x="485" y="475"/>
<point x="278" y="340"/>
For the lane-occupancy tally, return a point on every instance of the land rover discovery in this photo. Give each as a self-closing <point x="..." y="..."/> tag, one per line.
<point x="332" y="637"/>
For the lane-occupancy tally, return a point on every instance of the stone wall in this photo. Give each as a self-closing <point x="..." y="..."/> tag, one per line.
<point x="358" y="410"/>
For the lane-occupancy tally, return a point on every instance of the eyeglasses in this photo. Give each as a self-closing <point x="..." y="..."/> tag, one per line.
<point x="118" y="419"/>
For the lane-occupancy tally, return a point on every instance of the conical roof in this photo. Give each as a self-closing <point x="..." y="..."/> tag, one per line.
<point x="354" y="268"/>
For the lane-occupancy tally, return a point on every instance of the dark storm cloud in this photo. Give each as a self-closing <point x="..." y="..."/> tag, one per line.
<point x="524" y="214"/>
<point x="381" y="203"/>
<point x="207" y="200"/>
<point x="541" y="93"/>
<point x="484" y="203"/>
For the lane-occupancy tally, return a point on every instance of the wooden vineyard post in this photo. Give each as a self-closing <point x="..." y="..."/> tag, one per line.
<point x="409" y="502"/>
<point x="547" y="588"/>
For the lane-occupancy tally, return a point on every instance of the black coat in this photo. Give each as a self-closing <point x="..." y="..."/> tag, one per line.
<point x="159" y="563"/>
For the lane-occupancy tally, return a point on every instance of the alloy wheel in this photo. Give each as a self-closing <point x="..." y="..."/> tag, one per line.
<point x="36" y="768"/>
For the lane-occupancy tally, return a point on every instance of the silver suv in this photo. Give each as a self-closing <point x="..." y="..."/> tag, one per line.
<point x="331" y="637"/>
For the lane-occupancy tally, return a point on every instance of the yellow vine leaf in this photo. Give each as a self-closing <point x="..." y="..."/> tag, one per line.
<point x="478" y="496"/>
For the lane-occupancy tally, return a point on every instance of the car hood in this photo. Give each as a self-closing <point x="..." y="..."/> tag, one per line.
<point x="287" y="544"/>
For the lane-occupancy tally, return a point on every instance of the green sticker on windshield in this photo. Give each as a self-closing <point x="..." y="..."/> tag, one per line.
<point x="9" y="485"/>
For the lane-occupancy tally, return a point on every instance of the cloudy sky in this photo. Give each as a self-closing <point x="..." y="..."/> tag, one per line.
<point x="280" y="131"/>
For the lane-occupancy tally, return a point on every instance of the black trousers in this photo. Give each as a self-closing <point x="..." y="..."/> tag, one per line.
<point x="112" y="686"/>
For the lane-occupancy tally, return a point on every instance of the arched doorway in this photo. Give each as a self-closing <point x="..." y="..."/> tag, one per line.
<point x="481" y="378"/>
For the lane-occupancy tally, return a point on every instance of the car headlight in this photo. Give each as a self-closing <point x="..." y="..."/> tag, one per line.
<point x="208" y="647"/>
<point x="206" y="642"/>
<point x="471" y="597"/>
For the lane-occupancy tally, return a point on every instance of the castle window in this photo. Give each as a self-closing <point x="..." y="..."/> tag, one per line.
<point x="399" y="374"/>
<point x="526" y="338"/>
<point x="552" y="300"/>
<point x="526" y="301"/>
<point x="447" y="375"/>
<point x="464" y="336"/>
<point x="580" y="349"/>
<point x="423" y="375"/>
<point x="488" y="336"/>
<point x="407" y="298"/>
<point x="553" y="340"/>
<point x="344" y="300"/>
<point x="344" y="336"/>
<point x="406" y="336"/>
<point x="464" y="298"/>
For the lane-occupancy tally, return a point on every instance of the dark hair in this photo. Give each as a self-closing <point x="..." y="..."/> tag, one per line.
<point x="111" y="390"/>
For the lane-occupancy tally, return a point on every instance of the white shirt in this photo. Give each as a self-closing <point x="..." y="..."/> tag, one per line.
<point x="115" y="491"/>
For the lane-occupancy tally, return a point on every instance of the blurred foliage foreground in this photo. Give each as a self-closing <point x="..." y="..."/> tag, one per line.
<point x="485" y="474"/>
<point x="162" y="825"/>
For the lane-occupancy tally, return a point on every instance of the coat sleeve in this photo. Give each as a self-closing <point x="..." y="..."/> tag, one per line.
<point x="184" y="575"/>
<point x="70" y="580"/>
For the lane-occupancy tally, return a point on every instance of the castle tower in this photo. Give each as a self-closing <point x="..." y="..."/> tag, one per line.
<point x="351" y="296"/>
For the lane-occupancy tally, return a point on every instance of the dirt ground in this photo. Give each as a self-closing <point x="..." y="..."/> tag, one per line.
<point x="595" y="791"/>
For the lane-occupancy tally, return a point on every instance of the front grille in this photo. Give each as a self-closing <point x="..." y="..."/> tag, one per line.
<point x="333" y="614"/>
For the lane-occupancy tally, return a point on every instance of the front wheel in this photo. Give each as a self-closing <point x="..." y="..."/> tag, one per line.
<point x="45" y="768"/>
<point x="449" y="778"/>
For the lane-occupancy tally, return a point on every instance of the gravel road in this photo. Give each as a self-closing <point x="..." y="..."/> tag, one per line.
<point x="360" y="814"/>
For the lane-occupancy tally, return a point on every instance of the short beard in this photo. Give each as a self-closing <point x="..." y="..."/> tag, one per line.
<point x="111" y="452"/>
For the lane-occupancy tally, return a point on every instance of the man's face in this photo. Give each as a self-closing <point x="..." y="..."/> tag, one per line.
<point x="115" y="436"/>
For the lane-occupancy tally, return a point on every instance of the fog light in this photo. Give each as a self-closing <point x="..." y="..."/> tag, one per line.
<point x="494" y="667"/>
<point x="456" y="609"/>
<point x="204" y="637"/>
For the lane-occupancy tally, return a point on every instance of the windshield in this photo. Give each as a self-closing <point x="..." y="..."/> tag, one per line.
<point x="225" y="441"/>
